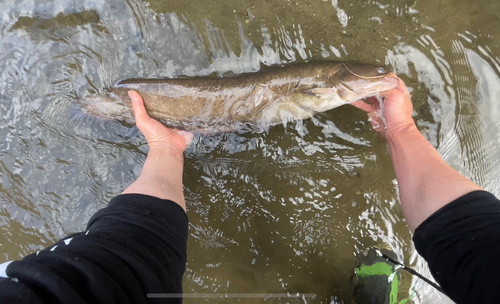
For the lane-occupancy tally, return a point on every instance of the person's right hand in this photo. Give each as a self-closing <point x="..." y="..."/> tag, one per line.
<point x="157" y="134"/>
<point x="397" y="111"/>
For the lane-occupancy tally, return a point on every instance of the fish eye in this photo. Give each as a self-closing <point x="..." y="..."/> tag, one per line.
<point x="381" y="70"/>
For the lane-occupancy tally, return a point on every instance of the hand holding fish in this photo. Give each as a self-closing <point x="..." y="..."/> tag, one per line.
<point x="156" y="133"/>
<point x="161" y="174"/>
<point x="396" y="110"/>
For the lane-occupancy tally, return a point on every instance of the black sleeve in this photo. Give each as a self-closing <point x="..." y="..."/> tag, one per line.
<point x="461" y="244"/>
<point x="135" y="246"/>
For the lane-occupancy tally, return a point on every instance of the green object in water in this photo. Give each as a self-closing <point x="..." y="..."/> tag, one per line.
<point x="382" y="269"/>
<point x="377" y="281"/>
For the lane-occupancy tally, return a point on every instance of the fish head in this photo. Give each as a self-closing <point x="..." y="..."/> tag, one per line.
<point x="354" y="81"/>
<point x="358" y="80"/>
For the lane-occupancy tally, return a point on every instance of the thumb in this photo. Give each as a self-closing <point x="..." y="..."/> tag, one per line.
<point x="188" y="137"/>
<point x="141" y="116"/>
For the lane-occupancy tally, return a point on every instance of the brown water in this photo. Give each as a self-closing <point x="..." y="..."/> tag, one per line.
<point x="283" y="211"/>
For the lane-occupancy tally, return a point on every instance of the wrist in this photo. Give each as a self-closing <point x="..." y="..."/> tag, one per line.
<point x="402" y="131"/>
<point x="404" y="138"/>
<point x="164" y="165"/>
<point x="166" y="150"/>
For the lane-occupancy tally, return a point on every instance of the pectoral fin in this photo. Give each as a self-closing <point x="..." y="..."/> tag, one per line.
<point x="246" y="107"/>
<point x="321" y="92"/>
<point x="340" y="90"/>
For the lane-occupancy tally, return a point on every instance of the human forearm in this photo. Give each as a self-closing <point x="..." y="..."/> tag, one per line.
<point x="426" y="183"/>
<point x="134" y="246"/>
<point x="161" y="175"/>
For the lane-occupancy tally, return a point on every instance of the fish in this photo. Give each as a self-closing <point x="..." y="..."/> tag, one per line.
<point x="278" y="95"/>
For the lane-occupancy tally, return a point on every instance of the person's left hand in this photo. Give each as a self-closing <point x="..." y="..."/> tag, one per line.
<point x="157" y="134"/>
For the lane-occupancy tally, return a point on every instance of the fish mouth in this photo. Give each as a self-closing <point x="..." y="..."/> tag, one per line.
<point x="391" y="79"/>
<point x="391" y="75"/>
<point x="363" y="88"/>
<point x="387" y="82"/>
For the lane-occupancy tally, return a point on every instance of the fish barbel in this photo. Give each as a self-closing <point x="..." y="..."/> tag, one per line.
<point x="273" y="96"/>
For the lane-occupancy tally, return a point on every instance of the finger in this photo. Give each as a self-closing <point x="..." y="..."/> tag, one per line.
<point x="393" y="92"/>
<point x="188" y="137"/>
<point x="376" y="122"/>
<point x="402" y="87"/>
<point x="362" y="105"/>
<point x="394" y="95"/>
<point x="140" y="113"/>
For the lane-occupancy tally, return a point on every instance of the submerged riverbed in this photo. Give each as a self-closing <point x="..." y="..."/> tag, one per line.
<point x="281" y="211"/>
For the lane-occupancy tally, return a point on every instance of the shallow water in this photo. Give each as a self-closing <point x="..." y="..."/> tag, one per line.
<point x="283" y="211"/>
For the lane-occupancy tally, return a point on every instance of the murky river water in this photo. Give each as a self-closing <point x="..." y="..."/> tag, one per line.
<point x="283" y="211"/>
